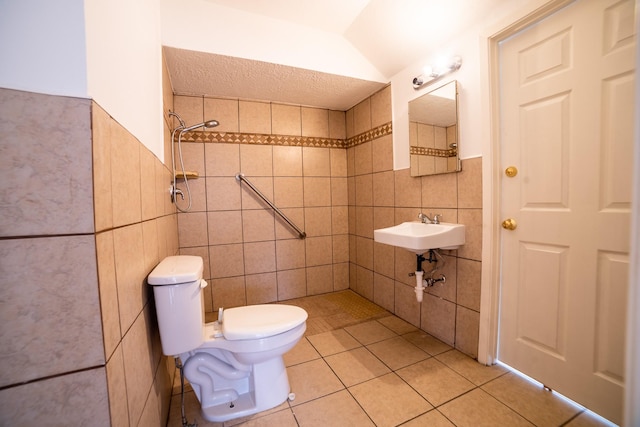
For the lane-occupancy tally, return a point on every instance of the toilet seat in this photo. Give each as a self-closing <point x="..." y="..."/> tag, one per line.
<point x="260" y="321"/>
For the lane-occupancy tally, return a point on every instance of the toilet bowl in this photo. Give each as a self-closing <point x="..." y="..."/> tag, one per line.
<point x="235" y="364"/>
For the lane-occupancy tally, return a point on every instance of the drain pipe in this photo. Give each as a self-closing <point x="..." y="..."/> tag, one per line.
<point x="419" y="273"/>
<point x="419" y="289"/>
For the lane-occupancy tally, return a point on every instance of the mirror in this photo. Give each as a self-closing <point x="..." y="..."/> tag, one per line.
<point x="433" y="131"/>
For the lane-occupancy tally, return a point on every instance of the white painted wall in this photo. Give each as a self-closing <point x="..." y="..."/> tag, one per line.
<point x="42" y="46"/>
<point x="124" y="65"/>
<point x="209" y="27"/>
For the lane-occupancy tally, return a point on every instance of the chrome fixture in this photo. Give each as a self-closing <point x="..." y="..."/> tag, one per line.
<point x="426" y="220"/>
<point x="181" y="129"/>
<point x="431" y="73"/>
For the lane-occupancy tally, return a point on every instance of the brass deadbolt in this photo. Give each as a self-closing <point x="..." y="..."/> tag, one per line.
<point x="509" y="224"/>
<point x="511" y="171"/>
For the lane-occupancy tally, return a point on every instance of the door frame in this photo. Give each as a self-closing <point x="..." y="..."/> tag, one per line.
<point x="534" y="12"/>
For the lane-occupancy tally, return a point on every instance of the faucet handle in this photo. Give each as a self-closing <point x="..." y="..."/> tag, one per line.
<point x="436" y="218"/>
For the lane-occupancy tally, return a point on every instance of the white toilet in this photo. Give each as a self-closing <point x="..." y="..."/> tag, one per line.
<point x="234" y="364"/>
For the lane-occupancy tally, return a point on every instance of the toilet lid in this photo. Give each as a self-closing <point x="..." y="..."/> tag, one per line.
<point x="260" y="321"/>
<point x="174" y="270"/>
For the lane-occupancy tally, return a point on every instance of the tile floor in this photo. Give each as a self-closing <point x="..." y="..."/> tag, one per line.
<point x="358" y="365"/>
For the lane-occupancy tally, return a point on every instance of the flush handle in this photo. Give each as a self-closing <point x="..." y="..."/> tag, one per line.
<point x="509" y="224"/>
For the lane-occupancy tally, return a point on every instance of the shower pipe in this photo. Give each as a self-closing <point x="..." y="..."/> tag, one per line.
<point x="240" y="177"/>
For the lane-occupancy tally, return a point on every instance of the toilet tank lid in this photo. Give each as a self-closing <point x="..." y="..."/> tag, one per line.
<point x="177" y="269"/>
<point x="260" y="321"/>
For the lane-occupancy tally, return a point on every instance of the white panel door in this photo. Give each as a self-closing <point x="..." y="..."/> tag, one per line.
<point x="567" y="114"/>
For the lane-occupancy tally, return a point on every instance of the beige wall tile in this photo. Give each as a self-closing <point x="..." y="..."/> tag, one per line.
<point x="381" y="107"/>
<point x="223" y="194"/>
<point x="447" y="290"/>
<point x="287" y="192"/>
<point x="225" y="111"/>
<point x="147" y="183"/>
<point x="362" y="117"/>
<point x="364" y="190"/>
<point x="383" y="259"/>
<point x="228" y="292"/>
<point x="108" y="291"/>
<point x="382" y="153"/>
<point x="256" y="160"/>
<point x="364" y="222"/>
<point x="283" y="229"/>
<point x="261" y="288"/>
<point x="340" y="276"/>
<point x="317" y="192"/>
<point x="319" y="279"/>
<point x="383" y="292"/>
<point x="250" y="200"/>
<point x="315" y="122"/>
<point x="117" y="389"/>
<point x="196" y="194"/>
<point x="383" y="217"/>
<point x="363" y="159"/>
<point x="192" y="157"/>
<point x="318" y="250"/>
<point x="202" y="252"/>
<point x="470" y="184"/>
<point x="290" y="254"/>
<point x="286" y="120"/>
<point x="340" y="220"/>
<point x="255" y="117"/>
<point x="472" y="220"/>
<point x="189" y="108"/>
<point x="364" y="252"/>
<point x="338" y="162"/>
<point x="138" y="365"/>
<point x="48" y="401"/>
<point x="316" y="161"/>
<point x="36" y="207"/>
<point x="317" y="221"/>
<point x="440" y="191"/>
<point x="133" y="292"/>
<point x="125" y="177"/>
<point x="383" y="188"/>
<point x="468" y="283"/>
<point x="439" y="318"/>
<point x="291" y="283"/>
<point x="258" y="225"/>
<point x="406" y="305"/>
<point x="101" y="132"/>
<point x="351" y="161"/>
<point x="467" y="329"/>
<point x="349" y="123"/>
<point x="407" y="190"/>
<point x="364" y="282"/>
<point x="55" y="279"/>
<point x="339" y="192"/>
<point x="224" y="227"/>
<point x="340" y="248"/>
<point x="287" y="161"/>
<point x="222" y="159"/>
<point x="337" y="125"/>
<point x="259" y="257"/>
<point x="192" y="229"/>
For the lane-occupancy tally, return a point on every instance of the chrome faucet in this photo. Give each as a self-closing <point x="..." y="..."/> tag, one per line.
<point x="426" y="220"/>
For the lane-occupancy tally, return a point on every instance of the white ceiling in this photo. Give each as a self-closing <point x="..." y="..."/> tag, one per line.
<point x="390" y="34"/>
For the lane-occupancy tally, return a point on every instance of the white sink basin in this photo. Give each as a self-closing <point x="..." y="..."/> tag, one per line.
<point x="419" y="237"/>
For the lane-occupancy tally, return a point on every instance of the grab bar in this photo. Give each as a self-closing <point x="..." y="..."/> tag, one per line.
<point x="301" y="234"/>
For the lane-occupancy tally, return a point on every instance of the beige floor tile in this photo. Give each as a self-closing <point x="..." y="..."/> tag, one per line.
<point x="311" y="380"/>
<point x="397" y="352"/>
<point x="338" y="409"/>
<point x="434" y="381"/>
<point x="302" y="352"/>
<point x="469" y="368"/>
<point x="356" y="366"/>
<point x="587" y="419"/>
<point x="333" y="342"/>
<point x="479" y="409"/>
<point x="191" y="409"/>
<point x="283" y="418"/>
<point x="533" y="402"/>
<point x="370" y="332"/>
<point x="430" y="419"/>
<point x="253" y="420"/>
<point x="397" y="325"/>
<point x="389" y="401"/>
<point x="427" y="342"/>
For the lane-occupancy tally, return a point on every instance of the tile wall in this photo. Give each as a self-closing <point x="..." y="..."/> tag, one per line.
<point x="381" y="197"/>
<point x="85" y="217"/>
<point x="332" y="173"/>
<point x="295" y="156"/>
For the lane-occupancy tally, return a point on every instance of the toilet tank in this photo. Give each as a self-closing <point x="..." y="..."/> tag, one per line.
<point x="177" y="288"/>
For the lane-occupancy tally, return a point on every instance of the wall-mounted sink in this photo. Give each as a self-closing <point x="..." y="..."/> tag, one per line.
<point x="419" y="237"/>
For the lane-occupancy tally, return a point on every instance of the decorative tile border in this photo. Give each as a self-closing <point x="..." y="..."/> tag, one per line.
<point x="437" y="152"/>
<point x="287" y="140"/>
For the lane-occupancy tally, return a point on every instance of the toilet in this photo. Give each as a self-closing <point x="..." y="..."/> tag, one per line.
<point x="235" y="364"/>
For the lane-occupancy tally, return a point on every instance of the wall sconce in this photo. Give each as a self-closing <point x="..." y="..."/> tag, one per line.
<point x="434" y="72"/>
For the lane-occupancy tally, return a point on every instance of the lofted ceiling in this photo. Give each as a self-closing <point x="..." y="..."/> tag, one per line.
<point x="390" y="34"/>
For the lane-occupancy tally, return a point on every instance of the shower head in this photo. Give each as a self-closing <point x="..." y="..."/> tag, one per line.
<point x="207" y="124"/>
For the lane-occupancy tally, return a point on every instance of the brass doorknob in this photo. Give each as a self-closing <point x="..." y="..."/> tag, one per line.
<point x="509" y="224"/>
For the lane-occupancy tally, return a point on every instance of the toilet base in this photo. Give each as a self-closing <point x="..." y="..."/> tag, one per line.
<point x="270" y="388"/>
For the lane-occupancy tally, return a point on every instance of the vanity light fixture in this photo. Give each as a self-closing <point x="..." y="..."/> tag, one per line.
<point x="434" y="72"/>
